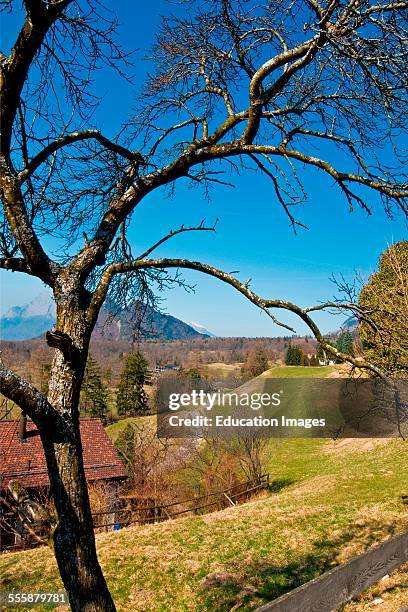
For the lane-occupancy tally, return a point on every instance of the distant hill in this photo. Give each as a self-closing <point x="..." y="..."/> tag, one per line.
<point x="36" y="317"/>
<point x="350" y="325"/>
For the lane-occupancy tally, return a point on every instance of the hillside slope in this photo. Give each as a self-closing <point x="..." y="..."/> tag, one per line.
<point x="333" y="501"/>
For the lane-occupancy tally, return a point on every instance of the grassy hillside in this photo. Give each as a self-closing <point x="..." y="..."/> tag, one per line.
<point x="222" y="370"/>
<point x="334" y="500"/>
<point x="329" y="501"/>
<point x="116" y="429"/>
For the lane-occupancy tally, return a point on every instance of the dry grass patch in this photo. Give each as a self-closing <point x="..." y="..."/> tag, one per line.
<point x="389" y="594"/>
<point x="353" y="445"/>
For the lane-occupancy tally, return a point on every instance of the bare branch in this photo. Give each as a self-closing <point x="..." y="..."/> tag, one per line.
<point x="384" y="8"/>
<point x="264" y="304"/>
<point x="172" y="233"/>
<point x="68" y="139"/>
<point x="277" y="191"/>
<point x="30" y="400"/>
<point x="15" y="264"/>
<point x="40" y="17"/>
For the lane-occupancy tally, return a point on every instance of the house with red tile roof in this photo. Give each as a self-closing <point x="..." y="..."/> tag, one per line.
<point x="22" y="459"/>
<point x="22" y="456"/>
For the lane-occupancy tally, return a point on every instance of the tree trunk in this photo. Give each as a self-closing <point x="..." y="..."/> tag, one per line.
<point x="73" y="538"/>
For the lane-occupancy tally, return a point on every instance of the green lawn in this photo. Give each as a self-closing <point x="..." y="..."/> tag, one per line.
<point x="299" y="372"/>
<point x="116" y="429"/>
<point x="223" y="370"/>
<point x="332" y="501"/>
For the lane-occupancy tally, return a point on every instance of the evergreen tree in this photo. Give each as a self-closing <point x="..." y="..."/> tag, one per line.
<point x="94" y="397"/>
<point x="108" y="376"/>
<point x="289" y="355"/>
<point x="294" y="356"/>
<point x="345" y="343"/>
<point x="385" y="336"/>
<point x="194" y="373"/>
<point x="131" y="399"/>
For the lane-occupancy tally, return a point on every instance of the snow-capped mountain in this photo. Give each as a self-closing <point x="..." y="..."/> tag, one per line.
<point x="350" y="324"/>
<point x="41" y="305"/>
<point x="30" y="320"/>
<point x="200" y="329"/>
<point x="38" y="316"/>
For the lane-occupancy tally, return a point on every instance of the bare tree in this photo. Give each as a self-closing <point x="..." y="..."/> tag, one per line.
<point x="250" y="449"/>
<point x="237" y="86"/>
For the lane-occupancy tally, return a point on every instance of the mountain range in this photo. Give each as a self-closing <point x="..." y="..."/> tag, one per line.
<point x="34" y="319"/>
<point x="28" y="321"/>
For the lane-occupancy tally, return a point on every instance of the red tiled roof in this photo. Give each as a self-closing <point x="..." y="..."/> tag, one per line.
<point x="25" y="461"/>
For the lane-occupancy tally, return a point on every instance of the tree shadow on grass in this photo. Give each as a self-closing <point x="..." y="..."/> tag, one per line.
<point x="262" y="581"/>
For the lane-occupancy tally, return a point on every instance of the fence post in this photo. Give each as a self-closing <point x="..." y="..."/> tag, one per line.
<point x="229" y="499"/>
<point x="166" y="513"/>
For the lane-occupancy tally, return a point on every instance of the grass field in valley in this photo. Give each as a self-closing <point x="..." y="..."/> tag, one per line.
<point x="301" y="372"/>
<point x="330" y="501"/>
<point x="221" y="370"/>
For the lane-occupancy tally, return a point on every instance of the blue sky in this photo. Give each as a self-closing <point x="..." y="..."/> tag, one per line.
<point x="253" y="234"/>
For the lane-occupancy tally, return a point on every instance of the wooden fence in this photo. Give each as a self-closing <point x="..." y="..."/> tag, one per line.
<point x="158" y="513"/>
<point x="136" y="513"/>
<point x="346" y="581"/>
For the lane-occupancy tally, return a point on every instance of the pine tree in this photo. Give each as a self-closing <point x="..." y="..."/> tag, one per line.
<point x="294" y="356"/>
<point x="131" y="399"/>
<point x="94" y="397"/>
<point x="194" y="374"/>
<point x="345" y="343"/>
<point x="289" y="355"/>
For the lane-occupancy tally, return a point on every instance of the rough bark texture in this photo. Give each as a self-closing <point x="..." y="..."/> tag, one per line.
<point x="74" y="541"/>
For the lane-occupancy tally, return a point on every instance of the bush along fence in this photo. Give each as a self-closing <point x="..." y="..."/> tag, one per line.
<point x="136" y="512"/>
<point x="22" y="525"/>
<point x="343" y="583"/>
